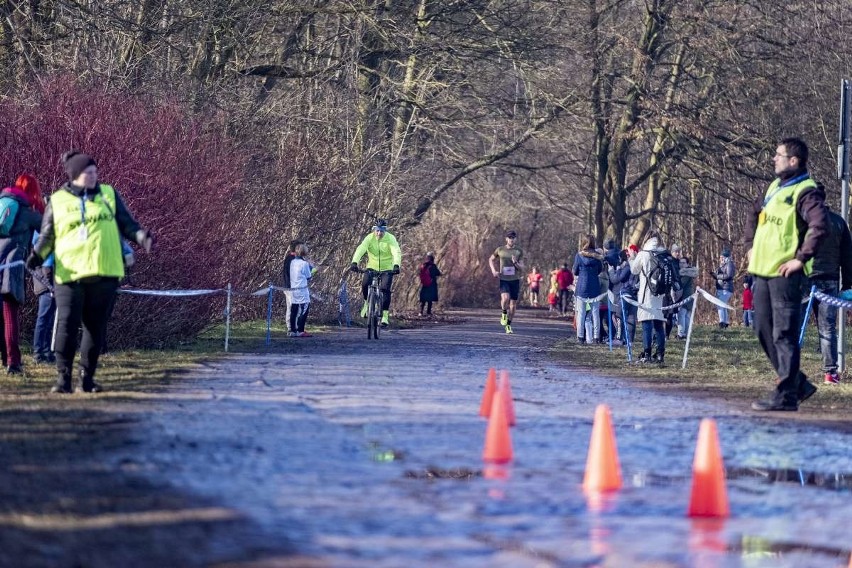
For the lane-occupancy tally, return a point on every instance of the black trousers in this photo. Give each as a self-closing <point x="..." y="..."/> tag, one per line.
<point x="385" y="282"/>
<point x="89" y="304"/>
<point x="777" y="320"/>
<point x="298" y="317"/>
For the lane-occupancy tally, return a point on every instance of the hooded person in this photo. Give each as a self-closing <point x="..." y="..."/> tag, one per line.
<point x="83" y="225"/>
<point x="21" y="208"/>
<point x="650" y="310"/>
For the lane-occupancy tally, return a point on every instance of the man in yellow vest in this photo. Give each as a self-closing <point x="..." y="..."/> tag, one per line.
<point x="383" y="256"/>
<point x="788" y="225"/>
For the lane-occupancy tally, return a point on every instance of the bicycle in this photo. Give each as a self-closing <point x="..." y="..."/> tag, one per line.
<point x="375" y="299"/>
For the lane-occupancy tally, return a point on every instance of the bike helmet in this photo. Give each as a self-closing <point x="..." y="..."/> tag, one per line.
<point x="380" y="225"/>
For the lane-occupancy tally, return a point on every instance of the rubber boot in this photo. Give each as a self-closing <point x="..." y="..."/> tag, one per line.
<point x="87" y="382"/>
<point x="63" y="383"/>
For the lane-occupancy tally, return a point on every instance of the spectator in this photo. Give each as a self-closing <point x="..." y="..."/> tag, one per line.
<point x="833" y="260"/>
<point x="588" y="265"/>
<point x="787" y="228"/>
<point x="618" y="277"/>
<point x="688" y="273"/>
<point x="724" y="276"/>
<point x="650" y="311"/>
<point x="88" y="263"/>
<point x="748" y="305"/>
<point x="23" y="204"/>
<point x="429" y="274"/>
<point x="299" y="295"/>
<point x="534" y="279"/>
<point x="564" y="280"/>
<point x="553" y="296"/>
<point x="43" y="334"/>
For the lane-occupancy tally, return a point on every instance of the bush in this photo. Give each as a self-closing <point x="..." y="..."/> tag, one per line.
<point x="176" y="172"/>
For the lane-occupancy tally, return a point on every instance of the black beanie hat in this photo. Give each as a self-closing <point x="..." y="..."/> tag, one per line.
<point x="75" y="162"/>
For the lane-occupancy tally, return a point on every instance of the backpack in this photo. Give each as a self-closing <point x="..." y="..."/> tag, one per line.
<point x="663" y="274"/>
<point x="425" y="275"/>
<point x="8" y="212"/>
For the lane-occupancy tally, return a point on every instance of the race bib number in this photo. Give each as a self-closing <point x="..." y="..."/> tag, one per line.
<point x="508" y="271"/>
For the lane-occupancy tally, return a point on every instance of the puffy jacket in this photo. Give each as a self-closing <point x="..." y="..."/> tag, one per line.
<point x="588" y="264"/>
<point x="725" y="276"/>
<point x="17" y="245"/>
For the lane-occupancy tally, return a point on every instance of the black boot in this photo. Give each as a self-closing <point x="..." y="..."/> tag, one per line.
<point x="645" y="357"/>
<point x="87" y="382"/>
<point x="63" y="383"/>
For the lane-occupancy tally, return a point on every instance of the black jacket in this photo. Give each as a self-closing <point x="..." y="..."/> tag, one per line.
<point x="127" y="225"/>
<point x="834" y="256"/>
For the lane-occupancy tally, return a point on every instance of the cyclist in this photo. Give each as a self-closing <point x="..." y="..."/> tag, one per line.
<point x="383" y="255"/>
<point x="509" y="257"/>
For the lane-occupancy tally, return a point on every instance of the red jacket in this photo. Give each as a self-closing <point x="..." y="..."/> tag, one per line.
<point x="564" y="278"/>
<point x="748" y="299"/>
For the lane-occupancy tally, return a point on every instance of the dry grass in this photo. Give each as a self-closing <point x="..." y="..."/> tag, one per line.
<point x="727" y="362"/>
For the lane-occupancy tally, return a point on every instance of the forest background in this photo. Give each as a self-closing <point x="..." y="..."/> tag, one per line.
<point x="231" y="127"/>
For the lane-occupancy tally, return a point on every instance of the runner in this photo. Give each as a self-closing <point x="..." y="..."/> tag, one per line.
<point x="534" y="279"/>
<point x="383" y="255"/>
<point x="509" y="257"/>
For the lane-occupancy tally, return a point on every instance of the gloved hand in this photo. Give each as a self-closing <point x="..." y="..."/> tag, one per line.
<point x="34" y="261"/>
<point x="396" y="269"/>
<point x="353" y="267"/>
<point x="145" y="239"/>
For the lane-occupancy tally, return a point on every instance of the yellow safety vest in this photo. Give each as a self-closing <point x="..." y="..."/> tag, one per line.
<point x="777" y="237"/>
<point x="87" y="242"/>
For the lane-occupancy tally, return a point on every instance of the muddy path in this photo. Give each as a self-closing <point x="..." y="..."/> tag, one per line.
<point x="344" y="452"/>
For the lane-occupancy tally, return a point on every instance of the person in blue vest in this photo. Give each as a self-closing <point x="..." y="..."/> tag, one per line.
<point x="83" y="225"/>
<point x="788" y="225"/>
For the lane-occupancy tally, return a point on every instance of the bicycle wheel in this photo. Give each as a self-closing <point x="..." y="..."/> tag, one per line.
<point x="376" y="308"/>
<point x="370" y="297"/>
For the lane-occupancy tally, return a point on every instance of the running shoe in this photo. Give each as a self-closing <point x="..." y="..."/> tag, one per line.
<point x="504" y="319"/>
<point x="832" y="379"/>
<point x="509" y="329"/>
<point x="305" y="334"/>
<point x="292" y="334"/>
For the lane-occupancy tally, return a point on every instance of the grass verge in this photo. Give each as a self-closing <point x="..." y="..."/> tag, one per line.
<point x="728" y="364"/>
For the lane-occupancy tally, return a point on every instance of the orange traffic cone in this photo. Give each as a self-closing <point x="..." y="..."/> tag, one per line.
<point x="507" y="391"/>
<point x="603" y="473"/>
<point x="488" y="395"/>
<point x="709" y="495"/>
<point x="498" y="441"/>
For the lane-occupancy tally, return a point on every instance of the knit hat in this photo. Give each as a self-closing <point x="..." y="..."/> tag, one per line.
<point x="726" y="253"/>
<point x="675" y="248"/>
<point x="75" y="162"/>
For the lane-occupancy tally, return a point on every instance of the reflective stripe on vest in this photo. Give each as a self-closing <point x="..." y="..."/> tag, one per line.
<point x="93" y="250"/>
<point x="776" y="239"/>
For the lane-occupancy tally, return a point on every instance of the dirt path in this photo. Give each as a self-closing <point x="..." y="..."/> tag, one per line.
<point x="346" y="452"/>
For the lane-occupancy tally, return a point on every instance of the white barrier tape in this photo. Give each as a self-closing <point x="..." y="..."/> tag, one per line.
<point x="264" y="291"/>
<point x="833" y="300"/>
<point x="665" y="308"/>
<point x="590" y="300"/>
<point x="173" y="293"/>
<point x="713" y="299"/>
<point x="11" y="264"/>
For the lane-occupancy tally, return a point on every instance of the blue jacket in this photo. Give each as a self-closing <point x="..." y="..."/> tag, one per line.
<point x="587" y="266"/>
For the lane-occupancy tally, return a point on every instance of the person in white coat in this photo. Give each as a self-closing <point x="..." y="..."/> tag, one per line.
<point x="299" y="295"/>
<point x="650" y="310"/>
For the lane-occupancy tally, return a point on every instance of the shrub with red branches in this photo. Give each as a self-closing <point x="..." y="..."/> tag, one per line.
<point x="177" y="172"/>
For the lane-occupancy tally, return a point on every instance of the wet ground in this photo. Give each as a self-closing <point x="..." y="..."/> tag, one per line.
<point x="354" y="453"/>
